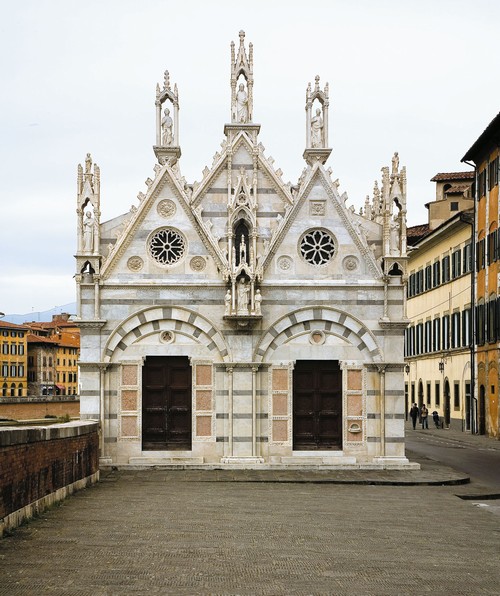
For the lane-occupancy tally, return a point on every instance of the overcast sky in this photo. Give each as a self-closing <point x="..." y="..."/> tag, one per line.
<point x="418" y="77"/>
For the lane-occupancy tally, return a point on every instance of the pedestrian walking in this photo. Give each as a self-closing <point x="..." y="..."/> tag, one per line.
<point x="424" y="414"/>
<point x="414" y="412"/>
<point x="435" y="417"/>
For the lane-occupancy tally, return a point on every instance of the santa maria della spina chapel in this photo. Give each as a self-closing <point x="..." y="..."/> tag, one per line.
<point x="244" y="321"/>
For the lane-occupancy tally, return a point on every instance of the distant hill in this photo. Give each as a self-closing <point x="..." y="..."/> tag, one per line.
<point x="39" y="316"/>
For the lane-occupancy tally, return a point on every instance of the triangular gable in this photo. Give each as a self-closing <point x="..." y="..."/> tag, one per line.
<point x="165" y="174"/>
<point x="318" y="173"/>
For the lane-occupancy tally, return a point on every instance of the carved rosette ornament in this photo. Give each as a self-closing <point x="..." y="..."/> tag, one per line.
<point x="285" y="263"/>
<point x="135" y="263"/>
<point x="350" y="263"/>
<point x="198" y="263"/>
<point x="166" y="208"/>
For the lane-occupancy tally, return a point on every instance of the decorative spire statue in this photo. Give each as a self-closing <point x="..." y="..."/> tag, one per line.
<point x="317" y="101"/>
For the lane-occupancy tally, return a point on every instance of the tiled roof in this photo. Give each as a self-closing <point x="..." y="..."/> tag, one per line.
<point x="38" y="339"/>
<point x="453" y="176"/>
<point x="489" y="137"/>
<point x="457" y="189"/>
<point x="417" y="230"/>
<point x="7" y="325"/>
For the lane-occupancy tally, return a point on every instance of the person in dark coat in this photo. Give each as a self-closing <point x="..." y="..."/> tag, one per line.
<point x="414" y="412"/>
<point x="435" y="417"/>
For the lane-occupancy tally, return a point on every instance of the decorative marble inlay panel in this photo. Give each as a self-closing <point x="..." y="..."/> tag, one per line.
<point x="203" y="374"/>
<point x="203" y="400"/>
<point x="166" y="208"/>
<point x="198" y="263"/>
<point x="280" y="379"/>
<point x="317" y="208"/>
<point x="129" y="426"/>
<point x="129" y="374"/>
<point x="280" y="404"/>
<point x="354" y="380"/>
<point x="280" y="430"/>
<point x="355" y="404"/>
<point x="135" y="263"/>
<point x="129" y="399"/>
<point x="203" y="426"/>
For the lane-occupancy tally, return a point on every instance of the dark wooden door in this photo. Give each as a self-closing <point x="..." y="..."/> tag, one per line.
<point x="166" y="403"/>
<point x="317" y="405"/>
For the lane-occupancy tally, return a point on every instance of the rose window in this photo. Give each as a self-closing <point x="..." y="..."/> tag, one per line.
<point x="317" y="247"/>
<point x="167" y="246"/>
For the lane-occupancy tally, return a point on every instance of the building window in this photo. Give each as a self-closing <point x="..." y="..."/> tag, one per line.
<point x="20" y="349"/>
<point x="5" y="370"/>
<point x="492" y="320"/>
<point x="480" y="325"/>
<point x="453" y="206"/>
<point x="482" y="183"/>
<point x="455" y="330"/>
<point x="466" y="327"/>
<point x="445" y="269"/>
<point x="428" y="277"/>
<point x="13" y="349"/>
<point x="21" y="370"/>
<point x="428" y="336"/>
<point x="5" y="348"/>
<point x="428" y="392"/>
<point x="13" y="370"/>
<point x="456" y="396"/>
<point x="437" y="394"/>
<point x="436" y="274"/>
<point x="467" y="258"/>
<point x="456" y="263"/>
<point x="445" y="341"/>
<point x="436" y="336"/>
<point x="420" y="339"/>
<point x="480" y="254"/>
<point x="167" y="246"/>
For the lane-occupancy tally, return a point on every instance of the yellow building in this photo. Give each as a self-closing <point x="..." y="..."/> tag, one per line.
<point x="14" y="360"/>
<point x="484" y="156"/>
<point x="437" y="346"/>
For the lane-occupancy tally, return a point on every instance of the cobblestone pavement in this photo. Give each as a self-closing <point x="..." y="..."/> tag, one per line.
<point x="176" y="532"/>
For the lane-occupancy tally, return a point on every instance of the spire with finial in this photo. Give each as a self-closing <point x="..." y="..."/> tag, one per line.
<point x="241" y="83"/>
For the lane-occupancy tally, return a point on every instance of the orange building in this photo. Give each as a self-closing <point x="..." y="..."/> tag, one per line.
<point x="14" y="353"/>
<point x="54" y="349"/>
<point x="484" y="156"/>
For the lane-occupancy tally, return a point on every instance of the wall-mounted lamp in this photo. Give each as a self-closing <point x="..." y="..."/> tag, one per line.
<point x="407" y="369"/>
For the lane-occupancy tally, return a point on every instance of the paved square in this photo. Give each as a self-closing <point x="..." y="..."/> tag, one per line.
<point x="170" y="532"/>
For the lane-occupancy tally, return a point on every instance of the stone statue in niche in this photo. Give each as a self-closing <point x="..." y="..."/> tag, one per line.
<point x="317" y="130"/>
<point x="243" y="250"/>
<point x="242" y="295"/>
<point x="394" y="237"/>
<point x="258" y="301"/>
<point x="227" y="303"/>
<point x="166" y="127"/>
<point x="241" y="104"/>
<point x="88" y="232"/>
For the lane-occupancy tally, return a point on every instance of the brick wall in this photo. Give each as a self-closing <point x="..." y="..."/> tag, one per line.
<point x="40" y="465"/>
<point x="25" y="408"/>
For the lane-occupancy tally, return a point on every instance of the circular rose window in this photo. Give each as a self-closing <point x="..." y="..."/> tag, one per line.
<point x="167" y="246"/>
<point x="317" y="247"/>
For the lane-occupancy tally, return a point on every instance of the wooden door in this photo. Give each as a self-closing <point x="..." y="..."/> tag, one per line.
<point x="166" y="403"/>
<point x="317" y="405"/>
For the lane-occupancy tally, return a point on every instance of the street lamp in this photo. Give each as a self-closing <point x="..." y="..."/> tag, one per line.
<point x="441" y="366"/>
<point x="407" y="369"/>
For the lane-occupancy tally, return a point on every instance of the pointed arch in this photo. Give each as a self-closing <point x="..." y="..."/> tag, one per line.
<point x="331" y="320"/>
<point x="155" y="319"/>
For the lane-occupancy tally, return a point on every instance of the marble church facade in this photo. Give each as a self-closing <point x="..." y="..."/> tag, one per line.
<point x="242" y="320"/>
